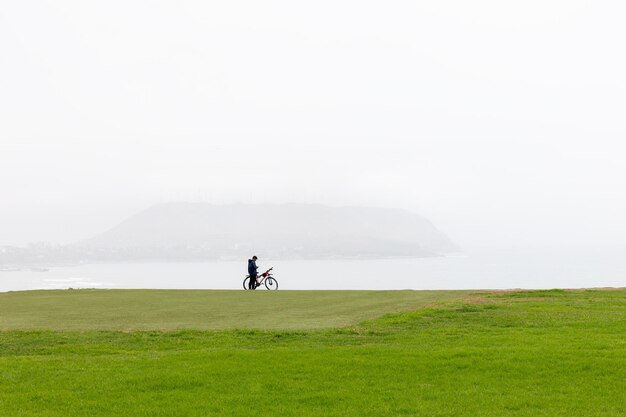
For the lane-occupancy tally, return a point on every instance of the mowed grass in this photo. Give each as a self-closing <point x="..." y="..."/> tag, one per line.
<point x="543" y="353"/>
<point x="128" y="310"/>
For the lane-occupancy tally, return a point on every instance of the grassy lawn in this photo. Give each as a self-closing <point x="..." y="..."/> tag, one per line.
<point x="542" y="353"/>
<point x="204" y="310"/>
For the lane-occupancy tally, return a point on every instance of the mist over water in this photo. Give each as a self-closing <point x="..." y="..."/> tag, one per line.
<point x="505" y="269"/>
<point x="501" y="126"/>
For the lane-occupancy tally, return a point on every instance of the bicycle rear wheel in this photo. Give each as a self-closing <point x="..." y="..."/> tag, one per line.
<point x="246" y="282"/>
<point x="271" y="283"/>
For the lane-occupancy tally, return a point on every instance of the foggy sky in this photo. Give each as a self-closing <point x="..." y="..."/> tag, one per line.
<point x="502" y="122"/>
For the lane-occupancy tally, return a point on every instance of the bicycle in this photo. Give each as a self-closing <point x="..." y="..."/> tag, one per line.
<point x="266" y="279"/>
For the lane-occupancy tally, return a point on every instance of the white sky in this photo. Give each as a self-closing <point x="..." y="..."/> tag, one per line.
<point x="503" y="122"/>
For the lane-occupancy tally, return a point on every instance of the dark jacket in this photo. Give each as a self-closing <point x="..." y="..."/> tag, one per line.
<point x="252" y="267"/>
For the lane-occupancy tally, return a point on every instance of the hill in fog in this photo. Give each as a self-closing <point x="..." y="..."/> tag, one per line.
<point x="201" y="230"/>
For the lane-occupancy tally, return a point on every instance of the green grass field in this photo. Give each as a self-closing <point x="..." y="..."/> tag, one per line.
<point x="362" y="353"/>
<point x="204" y="310"/>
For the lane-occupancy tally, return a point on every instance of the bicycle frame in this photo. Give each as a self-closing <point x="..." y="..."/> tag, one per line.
<point x="263" y="276"/>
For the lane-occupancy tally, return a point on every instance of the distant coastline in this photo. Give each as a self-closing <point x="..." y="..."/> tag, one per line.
<point x="195" y="232"/>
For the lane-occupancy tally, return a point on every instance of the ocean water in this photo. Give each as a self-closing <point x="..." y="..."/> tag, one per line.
<point x="489" y="269"/>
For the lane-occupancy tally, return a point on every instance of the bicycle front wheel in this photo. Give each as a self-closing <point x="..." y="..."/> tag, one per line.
<point x="246" y="283"/>
<point x="271" y="284"/>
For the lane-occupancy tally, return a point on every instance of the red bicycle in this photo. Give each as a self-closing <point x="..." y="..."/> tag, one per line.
<point x="265" y="278"/>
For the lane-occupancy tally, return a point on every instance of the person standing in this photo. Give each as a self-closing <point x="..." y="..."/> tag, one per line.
<point x="252" y="271"/>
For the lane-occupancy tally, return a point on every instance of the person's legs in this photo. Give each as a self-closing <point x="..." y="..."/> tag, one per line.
<point x="252" y="283"/>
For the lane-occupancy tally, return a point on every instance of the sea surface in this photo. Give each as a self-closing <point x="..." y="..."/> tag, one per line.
<point x="489" y="269"/>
